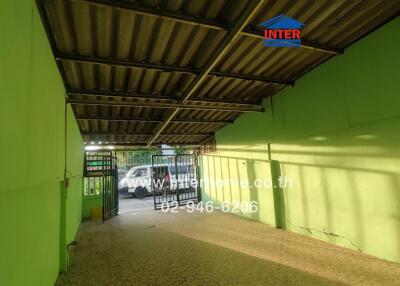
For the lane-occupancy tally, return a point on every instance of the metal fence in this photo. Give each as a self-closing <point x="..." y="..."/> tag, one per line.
<point x="175" y="179"/>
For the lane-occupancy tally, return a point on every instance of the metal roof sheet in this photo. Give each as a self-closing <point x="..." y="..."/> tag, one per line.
<point x="151" y="51"/>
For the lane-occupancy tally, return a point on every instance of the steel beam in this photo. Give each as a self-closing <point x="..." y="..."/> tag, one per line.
<point x="155" y="98"/>
<point x="163" y="67"/>
<point x="124" y="63"/>
<point x="141" y="119"/>
<point x="146" y="134"/>
<point x="252" y="108"/>
<point x="140" y="144"/>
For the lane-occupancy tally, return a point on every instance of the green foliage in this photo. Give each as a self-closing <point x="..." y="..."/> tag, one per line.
<point x="129" y="159"/>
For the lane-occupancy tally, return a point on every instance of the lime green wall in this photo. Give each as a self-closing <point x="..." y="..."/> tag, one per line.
<point x="75" y="156"/>
<point x="32" y="153"/>
<point x="75" y="174"/>
<point x="336" y="136"/>
<point x="89" y="202"/>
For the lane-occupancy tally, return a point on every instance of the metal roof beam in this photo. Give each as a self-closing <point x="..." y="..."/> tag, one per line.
<point x="231" y="108"/>
<point x="146" y="134"/>
<point x="187" y="19"/>
<point x="155" y="98"/>
<point x="141" y="144"/>
<point x="141" y="119"/>
<point x="163" y="67"/>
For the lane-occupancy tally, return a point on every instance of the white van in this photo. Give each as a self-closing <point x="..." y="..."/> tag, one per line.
<point x="138" y="181"/>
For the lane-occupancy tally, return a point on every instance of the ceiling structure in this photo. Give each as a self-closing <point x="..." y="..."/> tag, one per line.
<point x="175" y="71"/>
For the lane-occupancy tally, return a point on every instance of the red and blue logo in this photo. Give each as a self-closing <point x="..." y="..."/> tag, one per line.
<point x="282" y="31"/>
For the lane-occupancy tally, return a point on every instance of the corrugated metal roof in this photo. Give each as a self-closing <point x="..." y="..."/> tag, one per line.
<point x="150" y="51"/>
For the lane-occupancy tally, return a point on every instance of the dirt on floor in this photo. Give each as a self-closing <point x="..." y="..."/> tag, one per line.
<point x="145" y="247"/>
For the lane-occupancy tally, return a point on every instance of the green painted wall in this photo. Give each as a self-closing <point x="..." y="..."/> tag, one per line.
<point x="335" y="135"/>
<point x="74" y="173"/>
<point x="32" y="153"/>
<point x="75" y="158"/>
<point x="90" y="202"/>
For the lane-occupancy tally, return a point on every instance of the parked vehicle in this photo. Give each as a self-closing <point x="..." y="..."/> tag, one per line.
<point x="144" y="179"/>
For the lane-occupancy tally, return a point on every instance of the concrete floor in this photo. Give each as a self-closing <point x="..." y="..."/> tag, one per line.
<point x="144" y="247"/>
<point x="128" y="203"/>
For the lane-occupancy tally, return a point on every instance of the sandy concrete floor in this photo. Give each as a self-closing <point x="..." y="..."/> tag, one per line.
<point x="128" y="203"/>
<point x="145" y="247"/>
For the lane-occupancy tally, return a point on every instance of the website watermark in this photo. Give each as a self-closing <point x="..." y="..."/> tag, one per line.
<point x="282" y="182"/>
<point x="243" y="207"/>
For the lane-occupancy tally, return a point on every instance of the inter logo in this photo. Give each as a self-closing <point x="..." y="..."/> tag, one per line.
<point x="282" y="31"/>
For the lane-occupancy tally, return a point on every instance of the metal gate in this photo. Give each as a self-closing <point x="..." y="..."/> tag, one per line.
<point x="175" y="180"/>
<point x="102" y="164"/>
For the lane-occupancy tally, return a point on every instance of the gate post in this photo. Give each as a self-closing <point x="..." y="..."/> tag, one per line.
<point x="198" y="188"/>
<point x="153" y="185"/>
<point x="177" y="179"/>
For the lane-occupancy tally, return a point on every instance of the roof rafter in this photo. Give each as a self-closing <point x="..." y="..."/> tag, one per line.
<point x="180" y="105"/>
<point x="155" y="98"/>
<point x="141" y="119"/>
<point x="143" y="144"/>
<point x="163" y="67"/>
<point x="147" y="134"/>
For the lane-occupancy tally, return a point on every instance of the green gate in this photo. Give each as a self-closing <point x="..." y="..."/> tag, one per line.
<point x="101" y="174"/>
